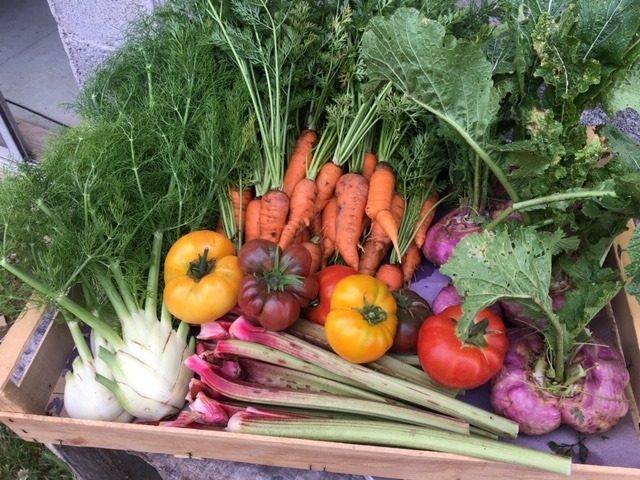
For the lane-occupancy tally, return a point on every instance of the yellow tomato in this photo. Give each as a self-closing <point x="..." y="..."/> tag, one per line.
<point x="362" y="321"/>
<point x="202" y="277"/>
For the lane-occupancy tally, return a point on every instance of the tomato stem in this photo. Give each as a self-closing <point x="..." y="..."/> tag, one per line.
<point x="202" y="266"/>
<point x="373" y="314"/>
<point x="475" y="333"/>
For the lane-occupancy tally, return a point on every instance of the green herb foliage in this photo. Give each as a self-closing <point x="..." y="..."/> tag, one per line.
<point x="166" y="126"/>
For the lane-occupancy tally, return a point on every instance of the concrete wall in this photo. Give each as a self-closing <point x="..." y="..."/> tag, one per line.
<point x="91" y="30"/>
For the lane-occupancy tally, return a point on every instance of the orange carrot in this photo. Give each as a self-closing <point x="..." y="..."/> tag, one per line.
<point x="397" y="208"/>
<point x="372" y="254"/>
<point x="252" y="220"/>
<point x="388" y="223"/>
<point x="369" y="164"/>
<point x="273" y="215"/>
<point x="410" y="262"/>
<point x="313" y="247"/>
<point x="316" y="225"/>
<point x="299" y="161"/>
<point x="326" y="180"/>
<point x="301" y="209"/>
<point x="391" y="275"/>
<point x="427" y="212"/>
<point x="381" y="188"/>
<point x="378" y="243"/>
<point x="240" y="203"/>
<point x="329" y="229"/>
<point x="351" y="194"/>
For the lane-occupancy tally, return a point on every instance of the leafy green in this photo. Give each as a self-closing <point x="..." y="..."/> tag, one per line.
<point x="595" y="287"/>
<point x="411" y="51"/>
<point x="632" y="270"/>
<point x="497" y="265"/>
<point x="166" y="127"/>
<point x="626" y="94"/>
<point x="625" y="149"/>
<point x="448" y="78"/>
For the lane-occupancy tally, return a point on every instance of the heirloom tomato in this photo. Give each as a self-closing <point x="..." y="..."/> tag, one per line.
<point x="462" y="364"/>
<point x="362" y="319"/>
<point x="327" y="279"/>
<point x="276" y="285"/>
<point x="202" y="277"/>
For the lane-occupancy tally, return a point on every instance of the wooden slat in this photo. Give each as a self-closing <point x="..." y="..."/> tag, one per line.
<point x="11" y="349"/>
<point x="285" y="452"/>
<point x="35" y="389"/>
<point x="627" y="313"/>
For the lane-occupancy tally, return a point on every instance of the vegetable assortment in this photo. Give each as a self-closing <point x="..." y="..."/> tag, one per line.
<point x="299" y="160"/>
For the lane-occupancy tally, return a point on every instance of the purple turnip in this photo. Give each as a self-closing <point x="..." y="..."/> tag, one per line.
<point x="447" y="297"/>
<point x="446" y="233"/>
<point x="513" y="312"/>
<point x="592" y="400"/>
<point x="600" y="402"/>
<point x="500" y="206"/>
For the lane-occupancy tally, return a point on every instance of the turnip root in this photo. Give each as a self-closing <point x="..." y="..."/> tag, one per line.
<point x="594" y="402"/>
<point x="444" y="235"/>
<point x="513" y="312"/>
<point x="447" y="297"/>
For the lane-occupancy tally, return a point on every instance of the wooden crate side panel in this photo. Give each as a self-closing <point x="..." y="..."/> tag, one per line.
<point x="627" y="313"/>
<point x="285" y="452"/>
<point x="33" y="393"/>
<point x="13" y="345"/>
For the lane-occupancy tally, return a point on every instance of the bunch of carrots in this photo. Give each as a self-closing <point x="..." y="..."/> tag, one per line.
<point x="334" y="196"/>
<point x="340" y="217"/>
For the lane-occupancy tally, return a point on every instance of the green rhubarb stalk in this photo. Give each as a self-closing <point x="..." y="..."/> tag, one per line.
<point x="398" y="435"/>
<point x="314" y="333"/>
<point x="394" y="387"/>
<point x="247" y="392"/>
<point x="396" y="368"/>
<point x="310" y="332"/>
<point x="408" y="359"/>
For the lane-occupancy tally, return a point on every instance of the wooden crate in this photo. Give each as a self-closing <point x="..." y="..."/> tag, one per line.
<point x="22" y="409"/>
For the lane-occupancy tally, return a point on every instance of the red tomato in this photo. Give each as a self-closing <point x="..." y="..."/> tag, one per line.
<point x="327" y="279"/>
<point x="455" y="364"/>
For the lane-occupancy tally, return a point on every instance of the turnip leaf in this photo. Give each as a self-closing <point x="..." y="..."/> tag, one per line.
<point x="633" y="269"/>
<point x="497" y="265"/>
<point x="449" y="78"/>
